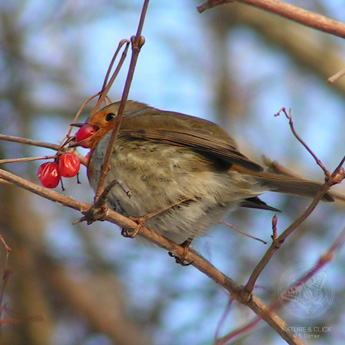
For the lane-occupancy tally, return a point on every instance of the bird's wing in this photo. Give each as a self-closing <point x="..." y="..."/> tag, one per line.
<point x="198" y="141"/>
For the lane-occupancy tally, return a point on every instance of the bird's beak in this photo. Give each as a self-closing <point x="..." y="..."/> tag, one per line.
<point x="77" y="124"/>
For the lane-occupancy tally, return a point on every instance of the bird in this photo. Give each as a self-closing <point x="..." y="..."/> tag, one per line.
<point x="179" y="173"/>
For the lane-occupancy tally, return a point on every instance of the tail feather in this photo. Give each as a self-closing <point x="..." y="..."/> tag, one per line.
<point x="291" y="185"/>
<point x="286" y="184"/>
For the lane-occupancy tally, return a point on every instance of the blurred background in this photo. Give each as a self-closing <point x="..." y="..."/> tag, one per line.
<point x="235" y="65"/>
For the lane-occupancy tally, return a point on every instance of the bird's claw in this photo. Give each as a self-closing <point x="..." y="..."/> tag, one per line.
<point x="93" y="214"/>
<point x="131" y="233"/>
<point x="182" y="259"/>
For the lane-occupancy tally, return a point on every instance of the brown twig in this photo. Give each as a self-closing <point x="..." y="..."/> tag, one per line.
<point x="336" y="76"/>
<point x="238" y="331"/>
<point x="29" y="142"/>
<point x="288" y="11"/>
<point x="280" y="239"/>
<point x="5" y="276"/>
<point x="275" y="167"/>
<point x="276" y="303"/>
<point x="137" y="42"/>
<point x="25" y="159"/>
<point x="292" y="126"/>
<point x="241" y="232"/>
<point x="38" y="144"/>
<point x="330" y="179"/>
<point x="107" y="85"/>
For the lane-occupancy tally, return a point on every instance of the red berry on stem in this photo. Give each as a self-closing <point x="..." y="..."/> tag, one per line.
<point x="85" y="132"/>
<point x="49" y="175"/>
<point x="69" y="165"/>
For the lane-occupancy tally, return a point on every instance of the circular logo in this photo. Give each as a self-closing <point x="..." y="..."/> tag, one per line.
<point x="306" y="298"/>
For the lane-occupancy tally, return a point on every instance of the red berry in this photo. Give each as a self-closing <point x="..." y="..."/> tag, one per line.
<point x="69" y="165"/>
<point x="85" y="132"/>
<point x="48" y="174"/>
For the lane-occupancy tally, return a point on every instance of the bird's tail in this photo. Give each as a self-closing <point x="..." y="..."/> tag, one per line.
<point x="292" y="185"/>
<point x="288" y="185"/>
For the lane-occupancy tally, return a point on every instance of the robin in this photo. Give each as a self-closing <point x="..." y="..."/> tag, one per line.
<point x="179" y="172"/>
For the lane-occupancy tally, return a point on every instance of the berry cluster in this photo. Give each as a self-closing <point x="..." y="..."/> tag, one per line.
<point x="65" y="165"/>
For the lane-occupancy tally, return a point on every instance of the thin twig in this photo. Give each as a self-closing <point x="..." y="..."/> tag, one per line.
<point x="241" y="232"/>
<point x="276" y="303"/>
<point x="25" y="159"/>
<point x="274" y="227"/>
<point x="38" y="144"/>
<point x="336" y="76"/>
<point x="5" y="276"/>
<point x="273" y="248"/>
<point x="288" y="11"/>
<point x="238" y="331"/>
<point x="331" y="179"/>
<point x="292" y="126"/>
<point x="137" y="42"/>
<point x="29" y="142"/>
<point x="275" y="167"/>
<point x="107" y="85"/>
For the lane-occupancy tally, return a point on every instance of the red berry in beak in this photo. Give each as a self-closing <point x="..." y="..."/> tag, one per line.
<point x="85" y="132"/>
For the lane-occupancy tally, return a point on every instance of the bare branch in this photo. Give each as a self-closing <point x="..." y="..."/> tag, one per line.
<point x="193" y="256"/>
<point x="137" y="42"/>
<point x="5" y="277"/>
<point x="292" y="126"/>
<point x="285" y="10"/>
<point x="29" y="142"/>
<point x="336" y="76"/>
<point x="241" y="232"/>
<point x="280" y="239"/>
<point x="25" y="159"/>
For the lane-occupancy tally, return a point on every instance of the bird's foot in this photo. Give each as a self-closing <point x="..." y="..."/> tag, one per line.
<point x="182" y="260"/>
<point x="93" y="214"/>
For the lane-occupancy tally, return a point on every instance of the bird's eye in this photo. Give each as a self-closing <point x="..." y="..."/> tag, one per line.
<point x="109" y="117"/>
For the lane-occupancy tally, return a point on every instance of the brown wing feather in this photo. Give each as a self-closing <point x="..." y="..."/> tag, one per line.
<point x="199" y="142"/>
<point x="183" y="130"/>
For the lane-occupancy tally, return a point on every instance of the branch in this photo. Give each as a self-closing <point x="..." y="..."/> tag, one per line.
<point x="292" y="126"/>
<point x="29" y="142"/>
<point x="137" y="42"/>
<point x="198" y="261"/>
<point x="280" y="239"/>
<point x="288" y="11"/>
<point x="276" y="303"/>
<point x="5" y="277"/>
<point x="26" y="141"/>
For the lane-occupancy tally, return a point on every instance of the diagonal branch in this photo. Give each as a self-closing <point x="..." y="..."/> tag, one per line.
<point x="198" y="261"/>
<point x="276" y="303"/>
<point x="288" y="11"/>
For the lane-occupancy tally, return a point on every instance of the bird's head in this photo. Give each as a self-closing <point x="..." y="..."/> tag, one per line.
<point x="95" y="127"/>
<point x="100" y="123"/>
